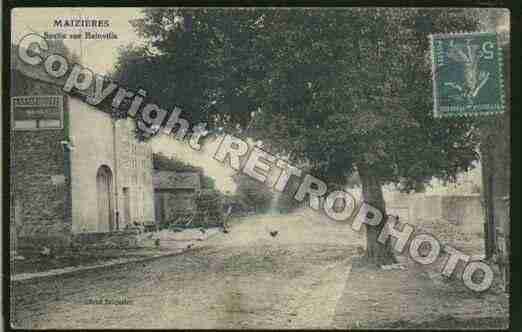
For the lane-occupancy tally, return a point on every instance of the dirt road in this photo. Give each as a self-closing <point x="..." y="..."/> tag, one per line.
<point x="244" y="279"/>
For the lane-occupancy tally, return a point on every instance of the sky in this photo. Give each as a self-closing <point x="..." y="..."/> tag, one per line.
<point x="98" y="54"/>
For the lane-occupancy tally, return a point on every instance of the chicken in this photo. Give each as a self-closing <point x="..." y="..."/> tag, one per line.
<point x="46" y="252"/>
<point x="272" y="232"/>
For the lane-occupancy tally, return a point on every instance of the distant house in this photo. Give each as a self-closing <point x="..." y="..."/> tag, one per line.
<point x="174" y="193"/>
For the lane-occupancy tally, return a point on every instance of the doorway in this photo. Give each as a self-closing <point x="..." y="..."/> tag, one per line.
<point x="104" y="188"/>
<point x="126" y="206"/>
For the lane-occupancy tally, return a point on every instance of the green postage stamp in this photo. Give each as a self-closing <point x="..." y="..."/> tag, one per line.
<point x="467" y="74"/>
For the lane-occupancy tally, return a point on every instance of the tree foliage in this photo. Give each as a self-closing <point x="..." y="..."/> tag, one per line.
<point x="353" y="88"/>
<point x="253" y="194"/>
<point x="334" y="87"/>
<point x="162" y="162"/>
<point x="202" y="69"/>
<point x="343" y="89"/>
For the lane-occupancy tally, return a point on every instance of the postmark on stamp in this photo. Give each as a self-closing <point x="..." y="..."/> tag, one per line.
<point x="467" y="74"/>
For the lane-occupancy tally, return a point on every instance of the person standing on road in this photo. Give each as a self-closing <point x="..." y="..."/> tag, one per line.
<point x="225" y="218"/>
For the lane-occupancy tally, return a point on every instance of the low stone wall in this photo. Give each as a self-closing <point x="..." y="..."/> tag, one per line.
<point x="123" y="239"/>
<point x="116" y="239"/>
<point x="30" y="244"/>
<point x="466" y="211"/>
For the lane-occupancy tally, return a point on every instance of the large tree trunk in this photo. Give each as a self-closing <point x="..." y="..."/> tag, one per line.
<point x="376" y="252"/>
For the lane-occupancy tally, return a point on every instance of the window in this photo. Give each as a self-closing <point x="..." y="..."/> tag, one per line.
<point x="50" y="124"/>
<point x="37" y="112"/>
<point x="25" y="124"/>
<point x="142" y="203"/>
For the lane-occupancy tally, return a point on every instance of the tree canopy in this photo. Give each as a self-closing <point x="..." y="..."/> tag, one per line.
<point x="161" y="162"/>
<point x="343" y="89"/>
<point x="334" y="87"/>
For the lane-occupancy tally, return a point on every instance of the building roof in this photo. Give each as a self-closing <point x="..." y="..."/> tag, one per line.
<point x="39" y="73"/>
<point x="176" y="180"/>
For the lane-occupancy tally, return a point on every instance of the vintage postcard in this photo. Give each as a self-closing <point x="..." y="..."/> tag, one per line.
<point x="259" y="168"/>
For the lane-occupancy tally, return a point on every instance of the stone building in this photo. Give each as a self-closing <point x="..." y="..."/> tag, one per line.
<point x="74" y="168"/>
<point x="175" y="194"/>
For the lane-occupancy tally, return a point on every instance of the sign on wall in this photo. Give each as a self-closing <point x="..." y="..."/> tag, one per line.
<point x="37" y="112"/>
